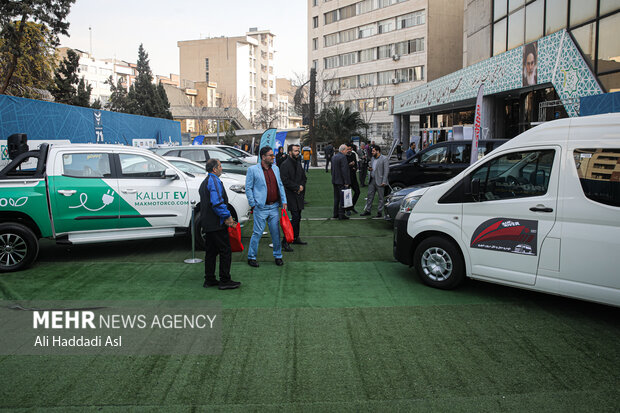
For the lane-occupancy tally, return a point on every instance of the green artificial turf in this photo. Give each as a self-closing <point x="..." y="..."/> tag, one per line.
<point x="340" y="327"/>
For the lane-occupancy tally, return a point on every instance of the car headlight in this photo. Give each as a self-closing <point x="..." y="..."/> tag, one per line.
<point x="240" y="189"/>
<point x="408" y="203"/>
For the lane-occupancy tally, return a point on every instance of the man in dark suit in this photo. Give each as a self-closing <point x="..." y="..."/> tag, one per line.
<point x="341" y="179"/>
<point x="294" y="181"/>
<point x="329" y="152"/>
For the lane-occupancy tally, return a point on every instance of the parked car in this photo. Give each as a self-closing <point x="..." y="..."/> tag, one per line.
<point x="393" y="200"/>
<point x="542" y="212"/>
<point x="438" y="162"/>
<point x="234" y="184"/>
<point x="80" y="193"/>
<point x="201" y="153"/>
<point x="241" y="154"/>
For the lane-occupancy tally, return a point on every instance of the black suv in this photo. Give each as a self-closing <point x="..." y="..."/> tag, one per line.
<point x="439" y="162"/>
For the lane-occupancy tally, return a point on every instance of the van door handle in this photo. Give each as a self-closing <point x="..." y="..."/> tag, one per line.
<point x="129" y="191"/>
<point x="67" y="192"/>
<point x="541" y="208"/>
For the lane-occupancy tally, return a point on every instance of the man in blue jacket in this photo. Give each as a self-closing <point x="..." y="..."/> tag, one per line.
<point x="214" y="218"/>
<point x="266" y="195"/>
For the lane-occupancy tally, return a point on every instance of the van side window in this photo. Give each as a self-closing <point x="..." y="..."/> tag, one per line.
<point x="515" y="175"/>
<point x="138" y="166"/>
<point x="86" y="165"/>
<point x="435" y="155"/>
<point x="599" y="174"/>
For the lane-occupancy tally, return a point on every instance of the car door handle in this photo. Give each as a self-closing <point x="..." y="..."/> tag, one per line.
<point x="129" y="191"/>
<point x="541" y="208"/>
<point x="67" y="192"/>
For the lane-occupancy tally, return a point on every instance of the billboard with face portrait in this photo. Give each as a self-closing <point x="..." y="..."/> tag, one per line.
<point x="530" y="64"/>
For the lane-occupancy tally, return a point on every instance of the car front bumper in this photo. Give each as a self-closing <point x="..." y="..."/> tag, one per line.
<point x="403" y="243"/>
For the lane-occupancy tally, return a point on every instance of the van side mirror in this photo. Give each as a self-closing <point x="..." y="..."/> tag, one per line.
<point x="170" y="173"/>
<point x="475" y="188"/>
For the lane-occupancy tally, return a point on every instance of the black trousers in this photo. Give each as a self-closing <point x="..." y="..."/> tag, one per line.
<point x="356" y="190"/>
<point x="217" y="243"/>
<point x="338" y="201"/>
<point x="327" y="161"/>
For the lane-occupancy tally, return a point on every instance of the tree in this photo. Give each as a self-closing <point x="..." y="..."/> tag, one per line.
<point x="32" y="76"/>
<point x="68" y="87"/>
<point x="14" y="16"/>
<point x="118" y="97"/>
<point x="144" y="98"/>
<point x="82" y="98"/>
<point x="265" y="117"/>
<point x="339" y="125"/>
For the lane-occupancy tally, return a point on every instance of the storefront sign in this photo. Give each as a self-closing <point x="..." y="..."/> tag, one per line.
<point x="555" y="60"/>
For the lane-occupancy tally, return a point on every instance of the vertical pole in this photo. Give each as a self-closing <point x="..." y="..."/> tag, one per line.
<point x="312" y="114"/>
<point x="193" y="260"/>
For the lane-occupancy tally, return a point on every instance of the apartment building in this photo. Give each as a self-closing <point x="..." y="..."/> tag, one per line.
<point x="536" y="60"/>
<point x="242" y="67"/>
<point x="367" y="51"/>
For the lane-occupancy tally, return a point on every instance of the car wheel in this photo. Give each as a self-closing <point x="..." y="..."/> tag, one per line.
<point x="397" y="186"/>
<point x="439" y="263"/>
<point x="19" y="247"/>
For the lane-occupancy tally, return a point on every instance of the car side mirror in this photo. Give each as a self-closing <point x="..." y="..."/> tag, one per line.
<point x="170" y="173"/>
<point x="416" y="161"/>
<point x="475" y="188"/>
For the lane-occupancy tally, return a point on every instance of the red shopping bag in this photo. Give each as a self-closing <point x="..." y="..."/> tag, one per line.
<point x="287" y="227"/>
<point x="234" y="234"/>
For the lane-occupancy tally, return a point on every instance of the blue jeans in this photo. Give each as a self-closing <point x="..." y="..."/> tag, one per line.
<point x="269" y="214"/>
<point x="306" y="165"/>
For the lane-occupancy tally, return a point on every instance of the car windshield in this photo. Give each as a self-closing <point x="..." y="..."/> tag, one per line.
<point x="188" y="167"/>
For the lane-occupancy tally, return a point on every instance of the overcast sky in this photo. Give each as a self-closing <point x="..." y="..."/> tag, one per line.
<point x="118" y="28"/>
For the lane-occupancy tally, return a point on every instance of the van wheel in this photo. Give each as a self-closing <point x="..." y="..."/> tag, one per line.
<point x="19" y="247"/>
<point x="439" y="263"/>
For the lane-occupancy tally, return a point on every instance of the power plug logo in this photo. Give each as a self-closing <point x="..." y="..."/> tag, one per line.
<point x="106" y="199"/>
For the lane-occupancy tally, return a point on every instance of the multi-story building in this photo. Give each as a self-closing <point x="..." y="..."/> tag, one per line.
<point x="287" y="118"/>
<point x="97" y="71"/>
<point x="535" y="59"/>
<point x="366" y="51"/>
<point x="242" y="66"/>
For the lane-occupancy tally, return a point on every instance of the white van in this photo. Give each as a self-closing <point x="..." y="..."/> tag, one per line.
<point x="541" y="212"/>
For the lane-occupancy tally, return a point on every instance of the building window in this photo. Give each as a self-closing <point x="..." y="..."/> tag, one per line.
<point x="368" y="55"/>
<point x="207" y="77"/>
<point x="315" y="43"/>
<point x="207" y="64"/>
<point x="412" y="19"/>
<point x="385" y="78"/>
<point x="383" y="103"/>
<point x="386" y="26"/>
<point x="368" y="79"/>
<point x="367" y="31"/>
<point x="314" y="3"/>
<point x="315" y="22"/>
<point x="315" y="64"/>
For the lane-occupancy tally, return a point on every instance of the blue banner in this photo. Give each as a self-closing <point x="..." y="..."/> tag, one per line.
<point x="280" y="138"/>
<point x="198" y="140"/>
<point x="268" y="138"/>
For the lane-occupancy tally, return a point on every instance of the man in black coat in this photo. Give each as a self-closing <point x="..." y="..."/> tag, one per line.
<point x="329" y="152"/>
<point x="341" y="179"/>
<point x="294" y="181"/>
<point x="352" y="160"/>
